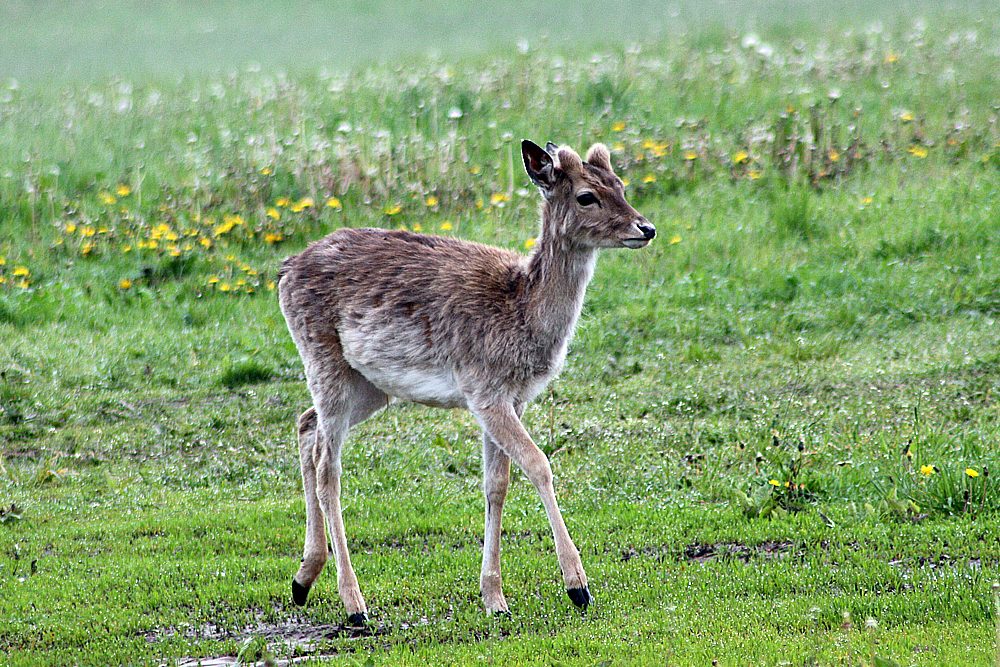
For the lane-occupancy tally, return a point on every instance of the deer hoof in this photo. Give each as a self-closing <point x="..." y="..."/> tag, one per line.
<point x="299" y="593"/>
<point x="358" y="620"/>
<point x="580" y="596"/>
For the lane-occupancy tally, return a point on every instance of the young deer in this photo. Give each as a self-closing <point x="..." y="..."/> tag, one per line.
<point x="377" y="314"/>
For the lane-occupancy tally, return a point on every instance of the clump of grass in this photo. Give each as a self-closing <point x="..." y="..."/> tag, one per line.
<point x="247" y="371"/>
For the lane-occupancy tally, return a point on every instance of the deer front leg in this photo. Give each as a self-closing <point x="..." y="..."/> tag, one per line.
<point x="504" y="426"/>
<point x="496" y="479"/>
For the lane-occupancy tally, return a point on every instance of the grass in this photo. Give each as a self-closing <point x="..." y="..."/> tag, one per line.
<point x="775" y="439"/>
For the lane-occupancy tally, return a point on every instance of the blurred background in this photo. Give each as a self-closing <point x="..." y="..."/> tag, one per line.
<point x="83" y="39"/>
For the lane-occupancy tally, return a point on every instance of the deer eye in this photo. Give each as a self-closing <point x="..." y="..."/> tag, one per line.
<point x="586" y="199"/>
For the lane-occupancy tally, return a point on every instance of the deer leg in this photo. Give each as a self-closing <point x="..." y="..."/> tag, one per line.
<point x="504" y="426"/>
<point x="315" y="551"/>
<point x="496" y="479"/>
<point x="328" y="474"/>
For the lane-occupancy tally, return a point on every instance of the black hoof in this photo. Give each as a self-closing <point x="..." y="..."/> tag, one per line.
<point x="358" y="620"/>
<point x="299" y="593"/>
<point x="580" y="596"/>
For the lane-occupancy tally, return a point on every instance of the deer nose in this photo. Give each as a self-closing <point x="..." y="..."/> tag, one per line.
<point x="648" y="230"/>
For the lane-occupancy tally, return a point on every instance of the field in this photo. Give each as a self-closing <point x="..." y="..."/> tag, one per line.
<point x="777" y="437"/>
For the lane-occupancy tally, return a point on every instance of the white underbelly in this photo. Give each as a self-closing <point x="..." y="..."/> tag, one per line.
<point x="429" y="386"/>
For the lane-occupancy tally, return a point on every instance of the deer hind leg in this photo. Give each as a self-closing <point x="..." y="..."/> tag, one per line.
<point x="496" y="479"/>
<point x="504" y="426"/>
<point x="321" y="474"/>
<point x="314" y="554"/>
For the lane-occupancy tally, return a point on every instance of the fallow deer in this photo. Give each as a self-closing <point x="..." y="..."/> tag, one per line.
<point x="380" y="314"/>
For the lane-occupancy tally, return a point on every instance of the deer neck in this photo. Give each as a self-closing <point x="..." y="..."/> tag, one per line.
<point x="558" y="273"/>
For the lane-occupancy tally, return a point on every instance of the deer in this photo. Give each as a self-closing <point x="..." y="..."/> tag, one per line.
<point x="380" y="315"/>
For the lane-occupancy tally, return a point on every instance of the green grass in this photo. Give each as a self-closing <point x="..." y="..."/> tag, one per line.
<point x="782" y="411"/>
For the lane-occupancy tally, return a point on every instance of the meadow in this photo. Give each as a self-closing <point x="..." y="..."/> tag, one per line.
<point x="775" y="440"/>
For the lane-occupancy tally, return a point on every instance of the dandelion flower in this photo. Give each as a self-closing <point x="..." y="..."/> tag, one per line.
<point x="393" y="210"/>
<point x="928" y="470"/>
<point x="225" y="287"/>
<point x="498" y="198"/>
<point x="675" y="240"/>
<point x="123" y="191"/>
<point x="918" y="151"/>
<point x="333" y="202"/>
<point x="271" y="238"/>
<point x="125" y="284"/>
<point x="618" y="127"/>
<point x="282" y="201"/>
<point x="431" y="201"/>
<point x="741" y="157"/>
<point x="649" y="178"/>
<point x="302" y="204"/>
<point x="971" y="472"/>
<point x="106" y="198"/>
<point x="21" y="271"/>
<point x="266" y="171"/>
<point x="774" y="483"/>
<point x="213" y="280"/>
<point x="690" y="155"/>
<point x="529" y="243"/>
<point x="70" y="228"/>
<point x="273" y="213"/>
<point x="445" y="227"/>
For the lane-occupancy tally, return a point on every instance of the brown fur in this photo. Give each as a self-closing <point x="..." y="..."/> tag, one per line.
<point x="378" y="314"/>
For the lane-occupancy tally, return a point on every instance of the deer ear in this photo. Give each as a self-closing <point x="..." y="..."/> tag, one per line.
<point x="538" y="163"/>
<point x="599" y="156"/>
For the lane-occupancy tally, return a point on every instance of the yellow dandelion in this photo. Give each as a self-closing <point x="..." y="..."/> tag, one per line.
<point x="86" y="249"/>
<point x="618" y="146"/>
<point x="445" y="227"/>
<point x="906" y="116"/>
<point x="690" y="155"/>
<point x="87" y="232"/>
<point x="618" y="127"/>
<point x="21" y="271"/>
<point x="625" y="182"/>
<point x="172" y="236"/>
<point x="123" y="190"/>
<point x="3" y="260"/>
<point x="282" y="201"/>
<point x="106" y="198"/>
<point x="475" y="170"/>
<point x="393" y="210"/>
<point x="302" y="204"/>
<point x="70" y="228"/>
<point x="224" y="228"/>
<point x="834" y="156"/>
<point x="740" y="157"/>
<point x="205" y="242"/>
<point x="529" y="243"/>
<point x="774" y="482"/>
<point x="972" y="472"/>
<point x="891" y="58"/>
<point x="754" y="174"/>
<point x="333" y="202"/>
<point x="272" y="238"/>
<point x="675" y="240"/>
<point x="918" y="151"/>
<point x="498" y="198"/>
<point x="865" y="201"/>
<point x="3" y="281"/>
<point x="266" y="171"/>
<point x="928" y="470"/>
<point x="431" y="201"/>
<point x="125" y="284"/>
<point x="126" y="248"/>
<point x="175" y="252"/>
<point x="213" y="280"/>
<point x="649" y="178"/>
<point x="418" y="228"/>
<point x="225" y="287"/>
<point x="270" y="285"/>
<point x="273" y="213"/>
